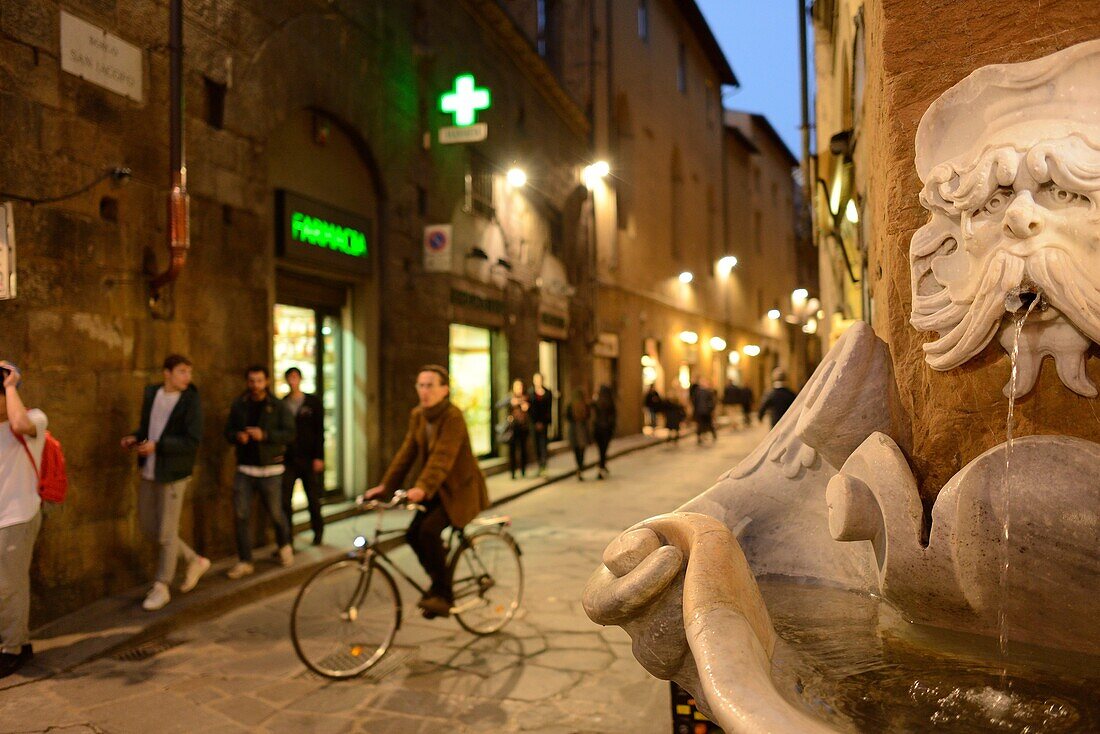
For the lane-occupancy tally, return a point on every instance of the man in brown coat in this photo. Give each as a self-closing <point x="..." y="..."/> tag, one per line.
<point x="449" y="485"/>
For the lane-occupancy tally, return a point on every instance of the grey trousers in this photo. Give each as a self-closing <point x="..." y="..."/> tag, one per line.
<point x="16" y="546"/>
<point x="159" y="507"/>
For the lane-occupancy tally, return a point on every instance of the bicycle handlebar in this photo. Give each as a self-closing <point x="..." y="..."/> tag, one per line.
<point x="400" y="497"/>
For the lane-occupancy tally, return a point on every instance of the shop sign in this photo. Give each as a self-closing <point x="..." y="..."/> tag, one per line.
<point x="607" y="345"/>
<point x="470" y="300"/>
<point x="437" y="248"/>
<point x="463" y="103"/>
<point x="320" y="234"/>
<point x="91" y="53"/>
<point x="554" y="324"/>
<point x="7" y="252"/>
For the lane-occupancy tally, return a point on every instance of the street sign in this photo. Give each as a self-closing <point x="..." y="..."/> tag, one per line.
<point x="437" y="248"/>
<point x="470" y="134"/>
<point x="7" y="252"/>
<point x="91" y="53"/>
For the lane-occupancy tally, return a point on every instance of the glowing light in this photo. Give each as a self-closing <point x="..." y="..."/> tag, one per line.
<point x="717" y="343"/>
<point x="726" y="264"/>
<point x="735" y="357"/>
<point x="594" y="172"/>
<point x="810" y="327"/>
<point x="774" y="314"/>
<point x="689" y="337"/>
<point x="648" y="361"/>
<point x="751" y="350"/>
<point x="517" y="178"/>
<point x="465" y="101"/>
<point x="799" y="294"/>
<point x="686" y="277"/>
<point x="359" y="541"/>
<point x="851" y="213"/>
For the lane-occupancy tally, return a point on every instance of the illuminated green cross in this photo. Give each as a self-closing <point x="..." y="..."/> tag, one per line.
<point x="465" y="101"/>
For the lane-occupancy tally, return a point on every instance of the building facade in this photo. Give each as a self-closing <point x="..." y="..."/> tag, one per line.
<point x="332" y="228"/>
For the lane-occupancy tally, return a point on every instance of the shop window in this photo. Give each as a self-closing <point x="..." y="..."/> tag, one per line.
<point x="551" y="380"/>
<point x="471" y="367"/>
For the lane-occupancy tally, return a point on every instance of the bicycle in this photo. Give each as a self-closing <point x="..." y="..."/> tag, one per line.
<point x="347" y="613"/>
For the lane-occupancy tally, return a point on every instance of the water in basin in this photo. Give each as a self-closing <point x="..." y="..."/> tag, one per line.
<point x="852" y="660"/>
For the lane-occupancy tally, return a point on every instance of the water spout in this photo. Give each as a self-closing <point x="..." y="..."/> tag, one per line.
<point x="1024" y="299"/>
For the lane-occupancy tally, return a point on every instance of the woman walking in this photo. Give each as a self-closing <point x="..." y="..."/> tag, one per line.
<point x="542" y="412"/>
<point x="519" y="418"/>
<point x="578" y="415"/>
<point x="604" y="426"/>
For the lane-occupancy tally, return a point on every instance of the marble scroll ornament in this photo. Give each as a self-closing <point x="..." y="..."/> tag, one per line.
<point x="1010" y="162"/>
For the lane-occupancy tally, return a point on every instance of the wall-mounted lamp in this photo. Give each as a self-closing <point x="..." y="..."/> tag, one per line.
<point x="751" y="350"/>
<point x="594" y="172"/>
<point x="774" y="314"/>
<point x="686" y="277"/>
<point x="689" y="337"/>
<point x="717" y="343"/>
<point x="516" y="177"/>
<point x="726" y="264"/>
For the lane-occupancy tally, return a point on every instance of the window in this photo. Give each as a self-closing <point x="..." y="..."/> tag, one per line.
<point x="547" y="29"/>
<point x="479" y="188"/>
<point x="643" y="20"/>
<point x="540" y="12"/>
<point x="681" y="70"/>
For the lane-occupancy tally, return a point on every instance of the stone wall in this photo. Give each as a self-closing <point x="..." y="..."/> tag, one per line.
<point x="915" y="51"/>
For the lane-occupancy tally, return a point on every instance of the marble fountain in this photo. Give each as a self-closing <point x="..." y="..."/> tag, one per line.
<point x="810" y="589"/>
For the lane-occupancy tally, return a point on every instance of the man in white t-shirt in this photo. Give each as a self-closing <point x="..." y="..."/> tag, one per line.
<point x="19" y="518"/>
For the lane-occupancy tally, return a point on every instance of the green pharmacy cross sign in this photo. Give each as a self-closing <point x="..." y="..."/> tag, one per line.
<point x="465" y="101"/>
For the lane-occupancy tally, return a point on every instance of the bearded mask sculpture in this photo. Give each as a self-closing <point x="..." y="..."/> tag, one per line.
<point x="1010" y="162"/>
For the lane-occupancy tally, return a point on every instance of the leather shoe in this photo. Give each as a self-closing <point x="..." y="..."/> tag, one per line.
<point x="11" y="662"/>
<point x="435" y="604"/>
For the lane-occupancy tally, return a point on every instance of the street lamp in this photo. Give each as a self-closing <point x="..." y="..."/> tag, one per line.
<point x="686" y="277"/>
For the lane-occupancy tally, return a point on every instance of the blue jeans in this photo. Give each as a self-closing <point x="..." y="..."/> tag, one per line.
<point x="270" y="490"/>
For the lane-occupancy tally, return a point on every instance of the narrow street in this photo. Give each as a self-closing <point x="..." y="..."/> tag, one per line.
<point x="550" y="671"/>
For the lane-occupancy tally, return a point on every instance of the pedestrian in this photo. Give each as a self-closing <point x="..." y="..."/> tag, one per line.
<point x="674" y="417"/>
<point x="746" y="404"/>
<point x="731" y="396"/>
<point x="542" y="414"/>
<point x="604" y="426"/>
<point x="22" y="437"/>
<point x="703" y="410"/>
<point x="693" y="389"/>
<point x="518" y="423"/>
<point x="450" y="485"/>
<point x="653" y="403"/>
<point x="778" y="399"/>
<point x="260" y="426"/>
<point x="578" y="414"/>
<point x="305" y="455"/>
<point x="166" y="443"/>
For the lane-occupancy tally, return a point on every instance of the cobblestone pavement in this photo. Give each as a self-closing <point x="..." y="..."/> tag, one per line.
<point x="550" y="671"/>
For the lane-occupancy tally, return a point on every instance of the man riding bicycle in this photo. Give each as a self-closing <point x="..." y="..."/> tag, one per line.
<point x="449" y="483"/>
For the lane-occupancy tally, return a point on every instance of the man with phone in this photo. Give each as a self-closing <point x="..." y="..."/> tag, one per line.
<point x="260" y="426"/>
<point x="166" y="444"/>
<point x="22" y="436"/>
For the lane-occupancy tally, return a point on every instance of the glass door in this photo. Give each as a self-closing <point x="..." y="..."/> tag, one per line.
<point x="311" y="340"/>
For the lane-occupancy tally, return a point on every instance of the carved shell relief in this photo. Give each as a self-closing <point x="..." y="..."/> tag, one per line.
<point x="1010" y="162"/>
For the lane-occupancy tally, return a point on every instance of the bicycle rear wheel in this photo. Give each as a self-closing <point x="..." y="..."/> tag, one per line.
<point x="345" y="617"/>
<point x="487" y="580"/>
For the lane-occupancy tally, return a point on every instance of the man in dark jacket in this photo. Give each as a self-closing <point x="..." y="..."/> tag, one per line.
<point x="778" y="399"/>
<point x="305" y="456"/>
<point x="450" y="485"/>
<point x="703" y="409"/>
<point x="166" y="444"/>
<point x="260" y="426"/>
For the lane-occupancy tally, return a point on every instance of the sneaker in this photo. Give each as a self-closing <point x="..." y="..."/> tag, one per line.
<point x="240" y="570"/>
<point x="286" y="555"/>
<point x="195" y="570"/>
<point x="157" y="597"/>
<point x="13" y="661"/>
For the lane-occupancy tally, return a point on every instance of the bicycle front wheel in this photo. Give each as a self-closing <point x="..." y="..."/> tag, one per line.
<point x="345" y="617"/>
<point x="487" y="580"/>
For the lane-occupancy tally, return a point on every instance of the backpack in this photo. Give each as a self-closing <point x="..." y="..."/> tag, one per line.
<point x="53" y="481"/>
